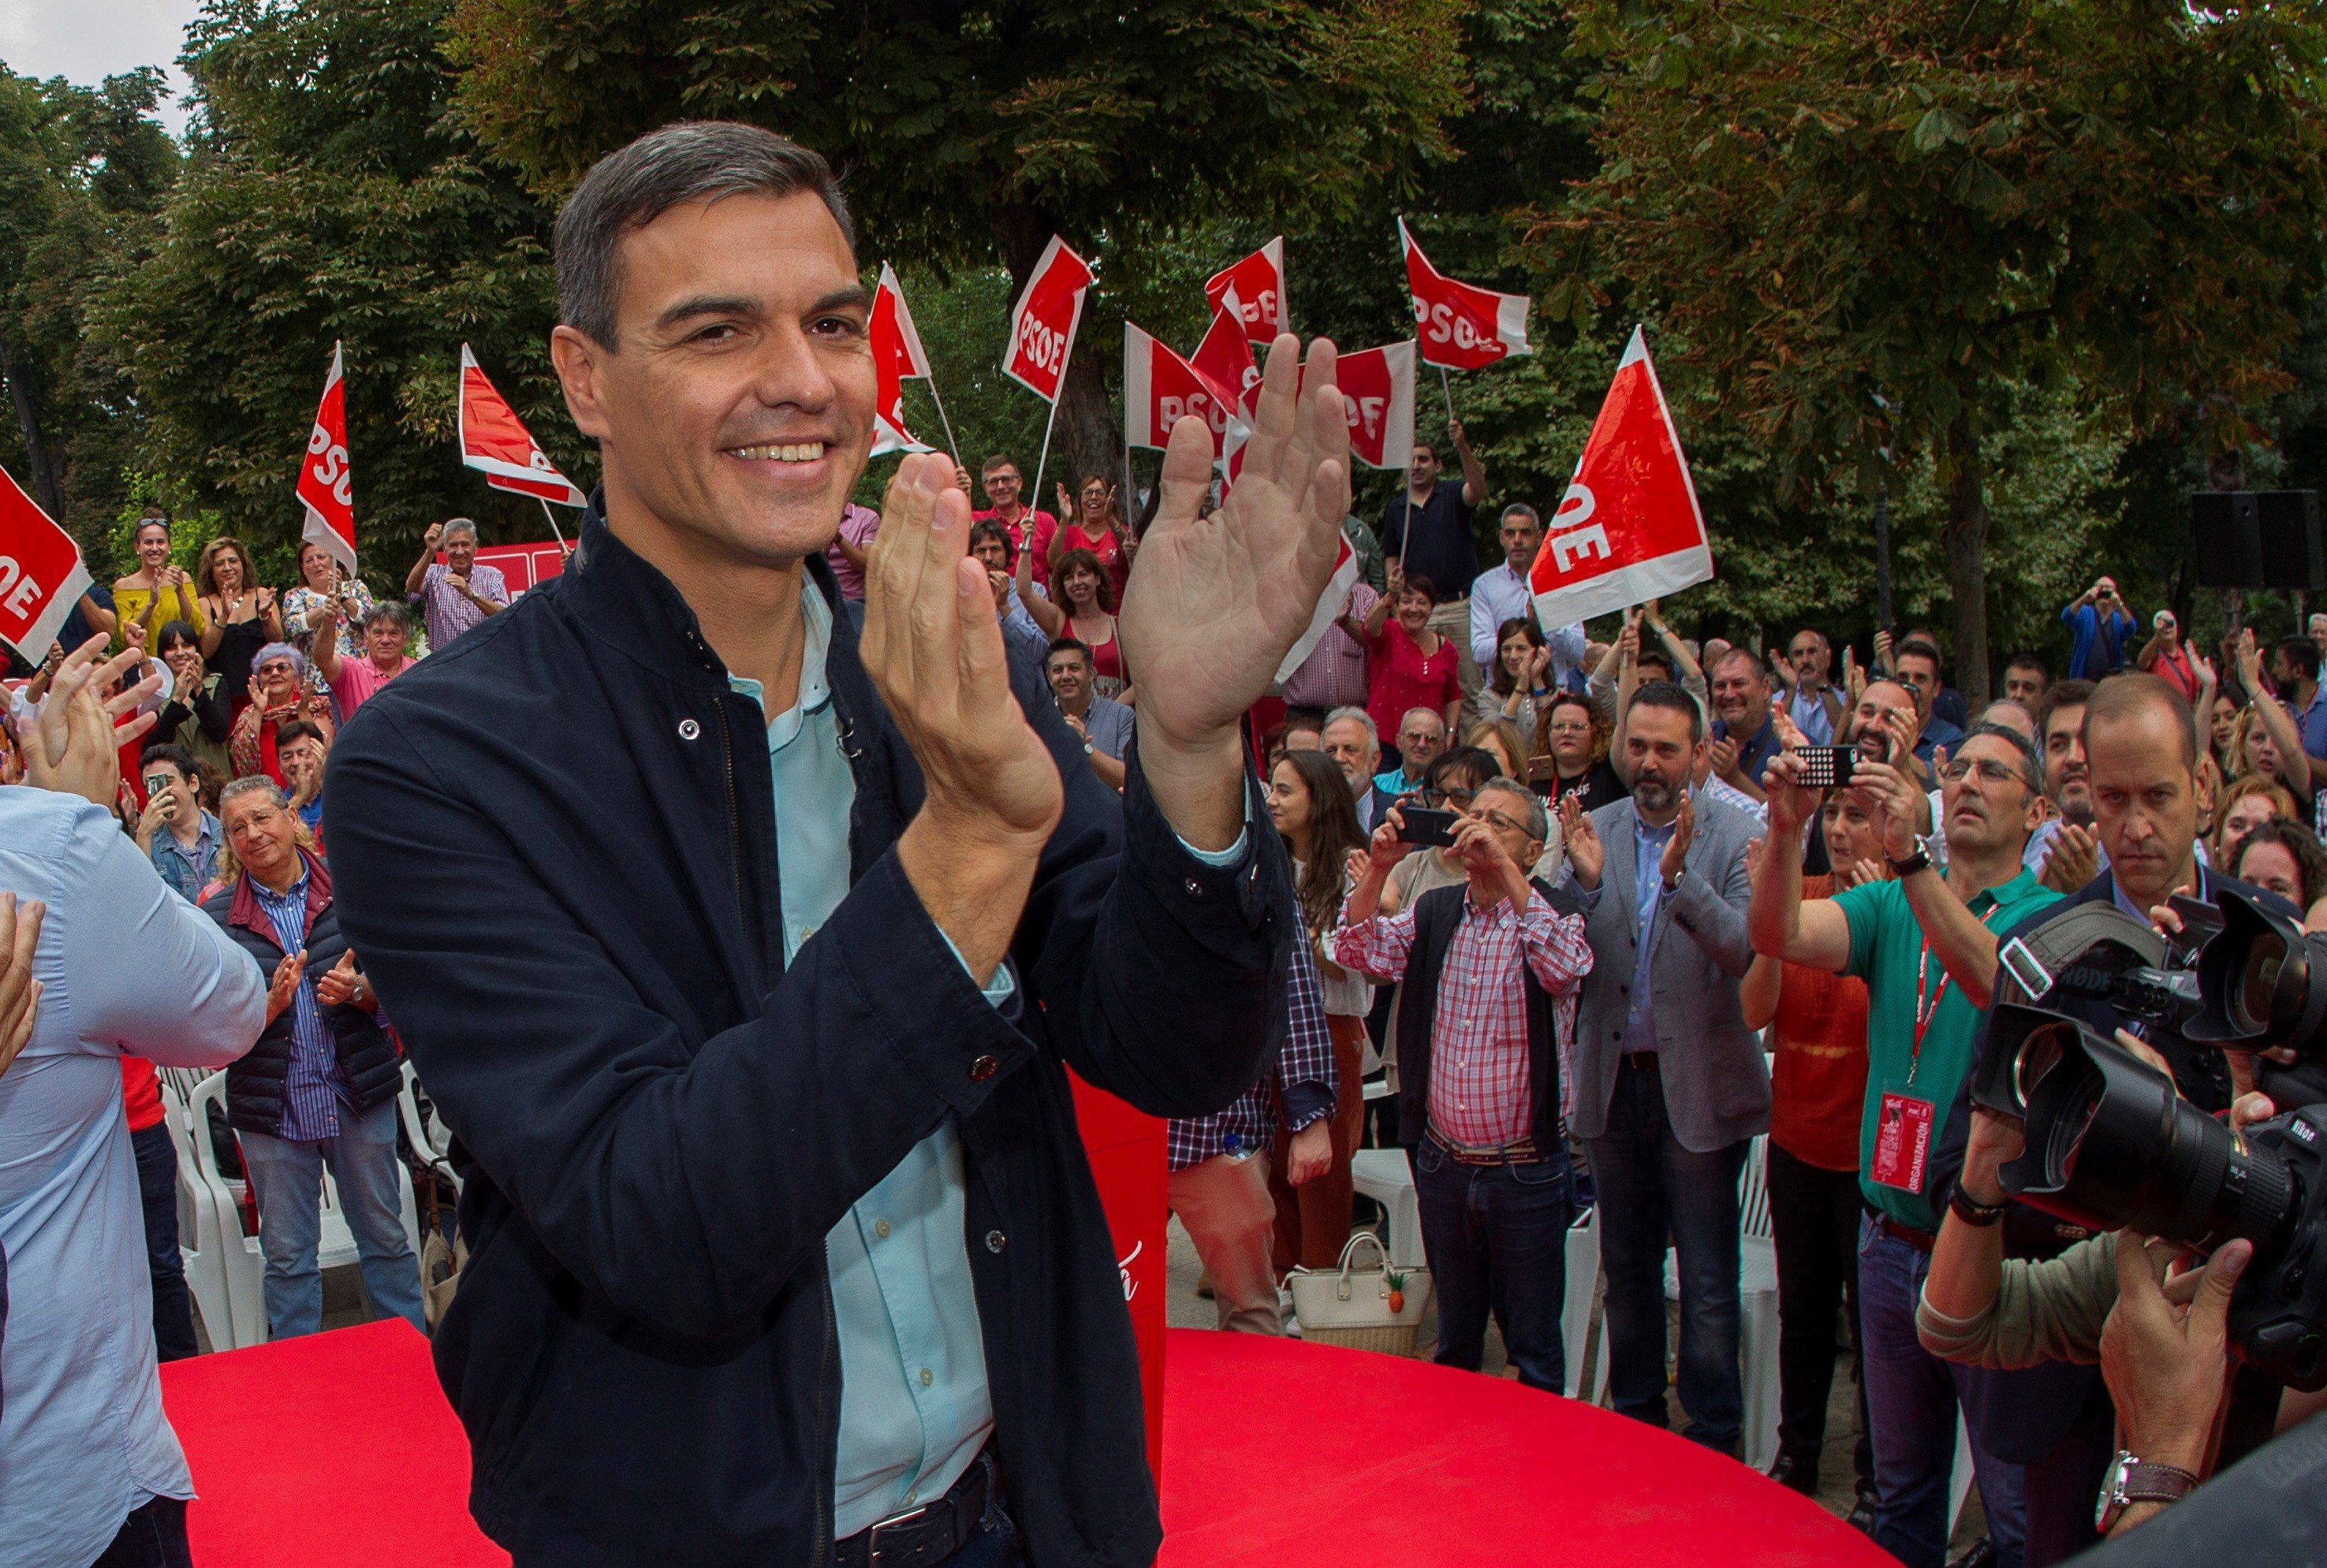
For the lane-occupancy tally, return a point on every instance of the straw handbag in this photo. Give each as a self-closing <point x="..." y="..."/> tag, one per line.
<point x="1351" y="1307"/>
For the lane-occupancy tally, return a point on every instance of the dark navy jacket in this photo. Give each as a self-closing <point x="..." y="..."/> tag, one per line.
<point x="555" y="848"/>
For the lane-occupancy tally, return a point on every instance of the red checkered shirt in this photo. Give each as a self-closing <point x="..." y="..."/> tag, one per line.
<point x="1480" y="1095"/>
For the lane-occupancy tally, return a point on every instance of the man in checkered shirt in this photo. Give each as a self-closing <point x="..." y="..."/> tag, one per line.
<point x="1219" y="1182"/>
<point x="1483" y="1029"/>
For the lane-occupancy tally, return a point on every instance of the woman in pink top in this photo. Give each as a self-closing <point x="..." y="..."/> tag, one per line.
<point x="1095" y="528"/>
<point x="1407" y="665"/>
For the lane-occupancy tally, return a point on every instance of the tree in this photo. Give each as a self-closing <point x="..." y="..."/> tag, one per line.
<point x="328" y="195"/>
<point x="83" y="173"/>
<point x="968" y="135"/>
<point x="1866" y="217"/>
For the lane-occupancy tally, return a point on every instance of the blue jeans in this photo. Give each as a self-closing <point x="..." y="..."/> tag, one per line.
<point x="165" y="1263"/>
<point x="1910" y="1414"/>
<point x="1496" y="1238"/>
<point x="1649" y="1187"/>
<point x="287" y="1179"/>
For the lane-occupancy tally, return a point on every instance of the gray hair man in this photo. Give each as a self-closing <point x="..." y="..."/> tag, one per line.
<point x="454" y="594"/>
<point x="1353" y="740"/>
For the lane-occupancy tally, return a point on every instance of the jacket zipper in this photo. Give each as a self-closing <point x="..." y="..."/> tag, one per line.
<point x="734" y="816"/>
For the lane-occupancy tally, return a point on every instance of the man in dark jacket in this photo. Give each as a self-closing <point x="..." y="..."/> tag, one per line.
<point x="318" y="1086"/>
<point x="745" y="951"/>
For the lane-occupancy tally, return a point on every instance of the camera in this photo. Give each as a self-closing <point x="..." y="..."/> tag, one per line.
<point x="2112" y="1142"/>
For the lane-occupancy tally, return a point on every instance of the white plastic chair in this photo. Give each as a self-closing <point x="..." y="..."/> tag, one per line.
<point x="1583" y="1292"/>
<point x="245" y="1267"/>
<point x="433" y="1144"/>
<point x="205" y="1211"/>
<point x="1385" y="1176"/>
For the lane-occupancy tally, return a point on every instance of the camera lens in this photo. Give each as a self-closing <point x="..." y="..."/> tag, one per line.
<point x="2111" y="1145"/>
<point x="2259" y="984"/>
<point x="2262" y="983"/>
<point x="2038" y="1054"/>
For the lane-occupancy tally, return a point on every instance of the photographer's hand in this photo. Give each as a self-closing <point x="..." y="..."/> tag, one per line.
<point x="2164" y="1364"/>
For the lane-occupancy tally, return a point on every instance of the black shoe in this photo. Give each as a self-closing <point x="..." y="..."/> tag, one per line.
<point x="1861" y="1512"/>
<point x="1982" y="1554"/>
<point x="1797" y="1470"/>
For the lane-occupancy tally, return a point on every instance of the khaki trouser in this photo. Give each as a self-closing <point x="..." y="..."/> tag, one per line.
<point x="1451" y="620"/>
<point x="1224" y="1202"/>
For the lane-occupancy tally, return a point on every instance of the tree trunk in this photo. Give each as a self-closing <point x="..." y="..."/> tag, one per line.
<point x="1088" y="438"/>
<point x="48" y="484"/>
<point x="1964" y="535"/>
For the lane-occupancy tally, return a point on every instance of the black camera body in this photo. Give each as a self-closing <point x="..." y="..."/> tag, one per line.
<point x="2279" y="1308"/>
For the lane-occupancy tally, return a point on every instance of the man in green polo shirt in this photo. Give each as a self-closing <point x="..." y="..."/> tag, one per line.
<point x="1925" y="944"/>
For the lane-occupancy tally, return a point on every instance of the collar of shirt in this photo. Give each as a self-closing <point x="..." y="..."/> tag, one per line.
<point x="295" y="894"/>
<point x="2124" y="901"/>
<point x="815" y="689"/>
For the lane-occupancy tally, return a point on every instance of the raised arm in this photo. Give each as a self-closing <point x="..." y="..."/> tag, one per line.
<point x="1814" y="934"/>
<point x="419" y="573"/>
<point x="1474" y="478"/>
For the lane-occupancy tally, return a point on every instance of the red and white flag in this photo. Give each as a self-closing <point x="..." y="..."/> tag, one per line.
<point x="1329" y="606"/>
<point x="1042" y="321"/>
<point x="325" y="487"/>
<point x="1258" y="283"/>
<point x="1629" y="529"/>
<point x="495" y="442"/>
<point x="1461" y="325"/>
<point x="1378" y="385"/>
<point x="42" y="577"/>
<point x="897" y="357"/>
<point x="1160" y="389"/>
<point x="1225" y="359"/>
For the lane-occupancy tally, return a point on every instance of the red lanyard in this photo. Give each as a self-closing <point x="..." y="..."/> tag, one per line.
<point x="1926" y="1005"/>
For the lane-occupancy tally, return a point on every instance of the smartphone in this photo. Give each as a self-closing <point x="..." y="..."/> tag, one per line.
<point x="1425" y="825"/>
<point x="1827" y="767"/>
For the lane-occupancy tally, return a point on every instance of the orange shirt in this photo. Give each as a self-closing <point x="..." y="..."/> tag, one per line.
<point x="1818" y="1075"/>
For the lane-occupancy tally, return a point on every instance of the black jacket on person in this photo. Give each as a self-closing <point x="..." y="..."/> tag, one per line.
<point x="367" y="1056"/>
<point x="557" y="848"/>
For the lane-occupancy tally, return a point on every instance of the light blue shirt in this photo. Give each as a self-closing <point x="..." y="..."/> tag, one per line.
<point x="128" y="968"/>
<point x="1648" y="890"/>
<point x="914" y="1403"/>
<point x="1807" y="710"/>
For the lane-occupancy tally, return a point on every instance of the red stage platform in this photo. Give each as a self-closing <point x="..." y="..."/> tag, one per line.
<point x="1276" y="1453"/>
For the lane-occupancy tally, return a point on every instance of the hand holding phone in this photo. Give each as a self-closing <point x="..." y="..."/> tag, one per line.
<point x="1827" y="767"/>
<point x="1425" y="827"/>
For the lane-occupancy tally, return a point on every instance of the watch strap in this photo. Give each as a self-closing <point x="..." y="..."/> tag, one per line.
<point x="1916" y="858"/>
<point x="1972" y="1211"/>
<point x="2141" y="1480"/>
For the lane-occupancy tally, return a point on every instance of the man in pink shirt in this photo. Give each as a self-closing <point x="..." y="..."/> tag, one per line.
<point x="386" y="630"/>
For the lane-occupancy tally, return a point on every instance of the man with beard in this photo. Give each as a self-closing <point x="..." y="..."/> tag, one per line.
<point x="2064" y="852"/>
<point x="1671" y="1085"/>
<point x="1925" y="944"/>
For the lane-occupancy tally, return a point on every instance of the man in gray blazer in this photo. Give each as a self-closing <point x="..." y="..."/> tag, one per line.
<point x="1670" y="1083"/>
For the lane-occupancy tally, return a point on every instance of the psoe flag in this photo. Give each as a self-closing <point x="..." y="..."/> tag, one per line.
<point x="325" y="488"/>
<point x="1042" y="321"/>
<point x="1258" y="281"/>
<point x="495" y="442"/>
<point x="1461" y="325"/>
<point x="897" y="357"/>
<point x="1377" y="386"/>
<point x="1160" y="389"/>
<point x="41" y="574"/>
<point x="1629" y="529"/>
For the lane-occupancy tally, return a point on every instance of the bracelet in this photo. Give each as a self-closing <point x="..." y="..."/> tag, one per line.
<point x="1973" y="1212"/>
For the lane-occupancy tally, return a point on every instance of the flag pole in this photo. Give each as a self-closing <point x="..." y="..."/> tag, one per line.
<point x="554" y="529"/>
<point x="1448" y="392"/>
<point x="951" y="444"/>
<point x="1058" y="396"/>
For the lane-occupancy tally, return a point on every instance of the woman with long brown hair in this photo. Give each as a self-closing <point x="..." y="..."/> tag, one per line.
<point x="1082" y="607"/>
<point x="1311" y="804"/>
<point x="242" y="612"/>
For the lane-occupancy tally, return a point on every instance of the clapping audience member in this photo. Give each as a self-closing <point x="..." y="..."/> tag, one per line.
<point x="454" y="594"/>
<point x="1500" y="595"/>
<point x="304" y="747"/>
<point x="241" y="610"/>
<point x="1093" y="525"/>
<point x="277" y="698"/>
<point x="157" y="593"/>
<point x="1082" y="606"/>
<point x="1519" y="676"/>
<point x="1573" y="740"/>
<point x="90" y="1471"/>
<point x="195" y="711"/>
<point x="1309" y="803"/>
<point x="1818" y="1091"/>
<point x="1494" y="972"/>
<point x="178" y="835"/>
<point x="1104" y="726"/>
<point x="319" y="1082"/>
<point x="1744" y="726"/>
<point x="1670" y="1085"/>
<point x="1919" y="666"/>
<point x="387" y="629"/>
<point x="2065" y="852"/>
<point x="320" y="584"/>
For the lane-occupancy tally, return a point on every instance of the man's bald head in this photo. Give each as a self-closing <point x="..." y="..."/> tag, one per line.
<point x="2147" y="700"/>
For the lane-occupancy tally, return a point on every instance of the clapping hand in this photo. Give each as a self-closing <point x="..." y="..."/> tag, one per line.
<point x="2071" y="860"/>
<point x="20" y="994"/>
<point x="1587" y="856"/>
<point x="284" y="983"/>
<point x="340" y="985"/>
<point x="1723" y="753"/>
<point x="75" y="747"/>
<point x="1676" y="855"/>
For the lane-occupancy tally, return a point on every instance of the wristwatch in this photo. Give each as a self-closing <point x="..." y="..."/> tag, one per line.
<point x="2131" y="1480"/>
<point x="1916" y="858"/>
<point x="1972" y="1211"/>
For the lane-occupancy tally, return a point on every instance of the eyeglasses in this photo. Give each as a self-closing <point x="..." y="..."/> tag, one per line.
<point x="1500" y="823"/>
<point x="1448" y="797"/>
<point x="1570" y="727"/>
<point x="1991" y="771"/>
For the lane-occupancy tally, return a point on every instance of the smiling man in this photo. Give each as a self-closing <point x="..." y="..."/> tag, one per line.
<point x="745" y="948"/>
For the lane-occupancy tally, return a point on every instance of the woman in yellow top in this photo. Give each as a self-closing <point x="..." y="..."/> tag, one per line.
<point x="157" y="593"/>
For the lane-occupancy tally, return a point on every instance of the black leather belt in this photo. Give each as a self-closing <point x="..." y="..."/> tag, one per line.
<point x="1522" y="1153"/>
<point x="931" y="1532"/>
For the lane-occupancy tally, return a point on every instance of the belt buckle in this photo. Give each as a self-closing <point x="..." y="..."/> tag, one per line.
<point x="872" y="1535"/>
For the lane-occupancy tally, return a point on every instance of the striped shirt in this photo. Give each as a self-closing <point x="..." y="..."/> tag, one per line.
<point x="1480" y="1095"/>
<point x="315" y="1085"/>
<point x="1304" y="1085"/>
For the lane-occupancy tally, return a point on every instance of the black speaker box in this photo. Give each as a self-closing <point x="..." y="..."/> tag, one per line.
<point x="2258" y="539"/>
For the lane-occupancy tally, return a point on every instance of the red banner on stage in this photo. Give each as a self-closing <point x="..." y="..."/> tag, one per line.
<point x="1259" y="284"/>
<point x="41" y="574"/>
<point x="495" y="442"/>
<point x="1461" y="325"/>
<point x="325" y="488"/>
<point x="1043" y="322"/>
<point x="1629" y="529"/>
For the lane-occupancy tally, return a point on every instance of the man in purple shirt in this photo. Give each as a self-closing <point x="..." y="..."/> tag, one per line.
<point x="454" y="594"/>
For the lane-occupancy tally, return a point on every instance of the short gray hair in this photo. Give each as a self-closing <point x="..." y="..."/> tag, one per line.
<point x="457" y="526"/>
<point x="2032" y="766"/>
<point x="630" y="187"/>
<point x="253" y="784"/>
<point x="1432" y="715"/>
<point x="1537" y="821"/>
<point x="1373" y="730"/>
<point x="389" y="610"/>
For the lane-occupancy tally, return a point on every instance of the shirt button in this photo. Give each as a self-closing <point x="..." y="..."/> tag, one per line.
<point x="881" y="1228"/>
<point x="996" y="1241"/>
<point x="688" y="729"/>
<point x="984" y="1067"/>
<point x="1195" y="889"/>
<point x="910" y="1498"/>
<point x="928" y="1377"/>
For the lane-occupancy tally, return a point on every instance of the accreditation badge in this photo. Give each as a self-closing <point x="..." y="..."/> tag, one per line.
<point x="1902" y="1141"/>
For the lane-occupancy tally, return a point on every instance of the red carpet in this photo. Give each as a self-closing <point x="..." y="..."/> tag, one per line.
<point x="1276" y="1453"/>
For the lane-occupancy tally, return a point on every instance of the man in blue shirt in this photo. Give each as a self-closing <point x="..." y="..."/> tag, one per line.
<point x="1918" y="672"/>
<point x="2098" y="623"/>
<point x="1426" y="526"/>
